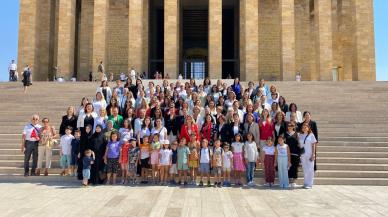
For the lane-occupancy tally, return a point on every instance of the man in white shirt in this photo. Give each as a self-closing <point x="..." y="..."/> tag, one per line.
<point x="29" y="146"/>
<point x="12" y="71"/>
<point x="139" y="121"/>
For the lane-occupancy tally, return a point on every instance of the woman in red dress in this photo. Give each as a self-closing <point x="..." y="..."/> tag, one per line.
<point x="188" y="128"/>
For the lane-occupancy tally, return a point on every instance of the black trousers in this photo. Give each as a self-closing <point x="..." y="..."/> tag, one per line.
<point x="31" y="148"/>
<point x="293" y="171"/>
<point x="12" y="76"/>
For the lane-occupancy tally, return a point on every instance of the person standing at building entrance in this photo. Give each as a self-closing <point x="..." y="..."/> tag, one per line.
<point x="132" y="74"/>
<point x="101" y="70"/>
<point x="12" y="71"/>
<point x="29" y="146"/>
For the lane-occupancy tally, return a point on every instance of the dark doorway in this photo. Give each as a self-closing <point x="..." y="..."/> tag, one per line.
<point x="194" y="43"/>
<point x="156" y="37"/>
<point x="230" y="41"/>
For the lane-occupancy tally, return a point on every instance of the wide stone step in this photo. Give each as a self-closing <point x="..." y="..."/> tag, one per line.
<point x="351" y="149"/>
<point x="356" y="139"/>
<point x="20" y="163"/>
<point x="72" y="181"/>
<point x="16" y="151"/>
<point x="20" y="157"/>
<point x="352" y="160"/>
<point x="349" y="174"/>
<point x="351" y="181"/>
<point x="353" y="167"/>
<point x="355" y="143"/>
<point x="353" y="154"/>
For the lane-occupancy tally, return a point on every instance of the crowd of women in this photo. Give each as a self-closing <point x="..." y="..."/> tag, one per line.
<point x="161" y="133"/>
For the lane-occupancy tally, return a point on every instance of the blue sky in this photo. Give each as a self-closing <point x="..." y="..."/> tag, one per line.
<point x="9" y="19"/>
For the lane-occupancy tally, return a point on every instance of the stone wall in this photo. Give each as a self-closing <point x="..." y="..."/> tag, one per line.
<point x="327" y="34"/>
<point x="269" y="39"/>
<point x="85" y="55"/>
<point x="117" y="37"/>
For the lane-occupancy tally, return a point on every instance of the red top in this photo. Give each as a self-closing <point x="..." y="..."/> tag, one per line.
<point x="185" y="133"/>
<point x="124" y="153"/>
<point x="207" y="131"/>
<point x="266" y="130"/>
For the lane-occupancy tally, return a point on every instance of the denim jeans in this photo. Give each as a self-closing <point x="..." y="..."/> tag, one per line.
<point x="250" y="171"/>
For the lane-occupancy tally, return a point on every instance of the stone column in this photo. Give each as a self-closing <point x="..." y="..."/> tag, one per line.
<point x="287" y="20"/>
<point x="146" y="5"/>
<point x="365" y="44"/>
<point x="215" y="39"/>
<point x="324" y="37"/>
<point x="66" y="38"/>
<point x="249" y="40"/>
<point x="27" y="43"/>
<point x="171" y="38"/>
<point x="135" y="36"/>
<point x="99" y="34"/>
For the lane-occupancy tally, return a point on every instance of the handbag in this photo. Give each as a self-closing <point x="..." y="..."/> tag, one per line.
<point x="51" y="142"/>
<point x="302" y="150"/>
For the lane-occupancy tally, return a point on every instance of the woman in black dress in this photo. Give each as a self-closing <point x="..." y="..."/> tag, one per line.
<point x="97" y="145"/>
<point x="68" y="120"/>
<point x="280" y="126"/>
<point x="87" y="118"/>
<point x="84" y="144"/>
<point x="292" y="141"/>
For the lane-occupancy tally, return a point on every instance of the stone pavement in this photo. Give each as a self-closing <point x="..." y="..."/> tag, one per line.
<point x="53" y="198"/>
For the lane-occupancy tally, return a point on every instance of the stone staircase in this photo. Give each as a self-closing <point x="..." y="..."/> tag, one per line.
<point x="351" y="116"/>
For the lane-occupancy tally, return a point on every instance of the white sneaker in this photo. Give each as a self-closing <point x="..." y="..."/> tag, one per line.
<point x="293" y="185"/>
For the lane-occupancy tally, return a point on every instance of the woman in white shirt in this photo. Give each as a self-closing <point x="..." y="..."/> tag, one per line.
<point x="105" y="90"/>
<point x="99" y="102"/>
<point x="126" y="132"/>
<point x="159" y="129"/>
<point x="101" y="119"/>
<point x="308" y="143"/>
<point x="81" y="108"/>
<point x="294" y="109"/>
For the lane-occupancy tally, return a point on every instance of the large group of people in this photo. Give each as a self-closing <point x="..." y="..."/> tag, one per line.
<point x="178" y="133"/>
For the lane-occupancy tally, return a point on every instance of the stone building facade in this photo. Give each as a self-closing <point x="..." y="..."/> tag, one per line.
<point x="250" y="39"/>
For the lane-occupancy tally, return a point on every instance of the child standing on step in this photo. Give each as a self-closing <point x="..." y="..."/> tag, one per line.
<point x="268" y="160"/>
<point x="65" y="146"/>
<point x="251" y="155"/>
<point x="155" y="149"/>
<point x="145" y="148"/>
<point x="282" y="161"/>
<point x="193" y="159"/>
<point x="123" y="160"/>
<point x="205" y="156"/>
<point x="87" y="161"/>
<point x="238" y="161"/>
<point x="75" y="145"/>
<point x="134" y="156"/>
<point x="111" y="158"/>
<point x="165" y="161"/>
<point x="182" y="161"/>
<point x="174" y="158"/>
<point x="218" y="162"/>
<point x="228" y="163"/>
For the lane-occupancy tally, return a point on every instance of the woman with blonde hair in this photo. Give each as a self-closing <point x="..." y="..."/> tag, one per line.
<point x="70" y="119"/>
<point x="101" y="119"/>
<point x="99" y="102"/>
